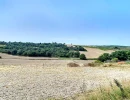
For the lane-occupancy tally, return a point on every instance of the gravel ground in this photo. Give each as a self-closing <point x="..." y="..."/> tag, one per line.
<point x="38" y="79"/>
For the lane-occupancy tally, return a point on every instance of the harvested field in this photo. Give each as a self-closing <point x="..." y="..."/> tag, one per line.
<point x="94" y="52"/>
<point x="22" y="79"/>
<point x="6" y="56"/>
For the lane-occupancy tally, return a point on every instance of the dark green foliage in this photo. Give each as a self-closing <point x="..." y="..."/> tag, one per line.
<point x="41" y="49"/>
<point x="77" y="54"/>
<point x="121" y="55"/>
<point x="0" y="57"/>
<point x="3" y="43"/>
<point x="128" y="55"/>
<point x="83" y="57"/>
<point x="80" y="48"/>
<point x="104" y="57"/>
<point x="115" y="56"/>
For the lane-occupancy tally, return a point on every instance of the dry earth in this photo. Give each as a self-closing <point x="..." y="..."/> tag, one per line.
<point x="24" y="79"/>
<point x="94" y="52"/>
<point x="6" y="56"/>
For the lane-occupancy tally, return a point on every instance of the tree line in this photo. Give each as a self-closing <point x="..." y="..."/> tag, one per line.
<point x="41" y="49"/>
<point x="117" y="55"/>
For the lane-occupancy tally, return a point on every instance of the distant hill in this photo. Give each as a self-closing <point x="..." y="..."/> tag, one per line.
<point x="40" y="49"/>
<point x="110" y="47"/>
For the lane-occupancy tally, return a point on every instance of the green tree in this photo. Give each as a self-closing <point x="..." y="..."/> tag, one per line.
<point x="19" y="52"/>
<point x="128" y="55"/>
<point x="76" y="54"/>
<point x="40" y="49"/>
<point x="83" y="57"/>
<point x="14" y="52"/>
<point x="121" y="55"/>
<point x="104" y="57"/>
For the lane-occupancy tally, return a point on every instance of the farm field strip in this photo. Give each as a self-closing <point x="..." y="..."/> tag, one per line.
<point x="34" y="80"/>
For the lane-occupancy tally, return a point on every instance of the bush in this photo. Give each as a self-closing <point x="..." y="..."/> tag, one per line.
<point x="73" y="65"/>
<point x="115" y="56"/>
<point x="107" y="65"/>
<point x="97" y="61"/>
<point x="104" y="57"/>
<point x="91" y="64"/>
<point x="94" y="64"/>
<point x="0" y="57"/>
<point x="114" y="60"/>
<point x="121" y="55"/>
<point x="83" y="57"/>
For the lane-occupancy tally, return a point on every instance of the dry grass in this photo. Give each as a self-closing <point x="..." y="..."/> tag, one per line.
<point x="115" y="91"/>
<point x="94" y="52"/>
<point x="6" y="56"/>
<point x="73" y="65"/>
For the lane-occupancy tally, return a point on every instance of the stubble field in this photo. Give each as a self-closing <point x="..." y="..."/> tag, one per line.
<point x="25" y="79"/>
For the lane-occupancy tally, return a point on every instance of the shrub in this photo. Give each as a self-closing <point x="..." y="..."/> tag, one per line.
<point x="94" y="64"/>
<point x="83" y="57"/>
<point x="114" y="60"/>
<point x="0" y="57"/>
<point x="73" y="65"/>
<point x="91" y="64"/>
<point x="121" y="55"/>
<point x="115" y="56"/>
<point x="97" y="61"/>
<point x="104" y="57"/>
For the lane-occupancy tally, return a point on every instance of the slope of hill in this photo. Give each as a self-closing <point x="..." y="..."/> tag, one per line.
<point x="95" y="52"/>
<point x="40" y="49"/>
<point x="91" y="53"/>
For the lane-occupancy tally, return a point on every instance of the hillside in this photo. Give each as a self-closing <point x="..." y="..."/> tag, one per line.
<point x="40" y="49"/>
<point x="94" y="52"/>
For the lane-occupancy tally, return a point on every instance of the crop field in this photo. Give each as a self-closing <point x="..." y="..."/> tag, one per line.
<point x="94" y="52"/>
<point x="27" y="79"/>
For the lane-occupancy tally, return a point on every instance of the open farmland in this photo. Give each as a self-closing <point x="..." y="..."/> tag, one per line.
<point x="25" y="79"/>
<point x="94" y="52"/>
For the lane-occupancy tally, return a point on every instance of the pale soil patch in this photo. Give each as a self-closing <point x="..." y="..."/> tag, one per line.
<point x="7" y="56"/>
<point x="40" y="79"/>
<point x="94" y="52"/>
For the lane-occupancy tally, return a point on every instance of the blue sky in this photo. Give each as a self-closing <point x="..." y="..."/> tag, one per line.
<point x="87" y="22"/>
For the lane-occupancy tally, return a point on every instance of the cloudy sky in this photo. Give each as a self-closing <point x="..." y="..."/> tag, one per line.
<point x="88" y="22"/>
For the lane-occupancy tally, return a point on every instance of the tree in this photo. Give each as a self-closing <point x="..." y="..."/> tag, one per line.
<point x="14" y="52"/>
<point x="128" y="55"/>
<point x="104" y="57"/>
<point x="76" y="54"/>
<point x="121" y="55"/>
<point x="83" y="57"/>
<point x="40" y="49"/>
<point x="19" y="52"/>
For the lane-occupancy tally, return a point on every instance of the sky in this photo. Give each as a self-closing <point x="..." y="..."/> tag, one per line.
<point x="85" y="22"/>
